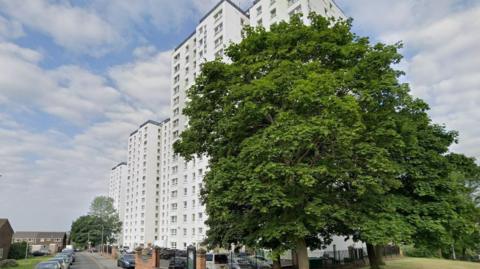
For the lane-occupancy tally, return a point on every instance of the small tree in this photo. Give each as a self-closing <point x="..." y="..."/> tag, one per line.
<point x="102" y="220"/>
<point x="18" y="250"/>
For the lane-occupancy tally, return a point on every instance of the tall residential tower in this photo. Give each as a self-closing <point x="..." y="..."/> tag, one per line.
<point x="223" y="24"/>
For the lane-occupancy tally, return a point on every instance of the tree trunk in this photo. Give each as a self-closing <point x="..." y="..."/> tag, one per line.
<point x="372" y="257"/>
<point x="302" y="254"/>
<point x="276" y="262"/>
<point x="379" y="254"/>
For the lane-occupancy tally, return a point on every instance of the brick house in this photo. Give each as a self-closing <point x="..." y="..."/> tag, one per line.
<point x="6" y="234"/>
<point x="53" y="241"/>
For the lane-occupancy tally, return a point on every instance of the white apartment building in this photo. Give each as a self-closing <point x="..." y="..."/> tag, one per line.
<point x="116" y="191"/>
<point x="116" y="186"/>
<point x="183" y="215"/>
<point x="267" y="12"/>
<point x="148" y="156"/>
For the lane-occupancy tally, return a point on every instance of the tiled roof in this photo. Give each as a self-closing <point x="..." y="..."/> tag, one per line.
<point x="44" y="235"/>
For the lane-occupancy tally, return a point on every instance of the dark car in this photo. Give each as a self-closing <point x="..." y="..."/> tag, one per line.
<point x="126" y="261"/>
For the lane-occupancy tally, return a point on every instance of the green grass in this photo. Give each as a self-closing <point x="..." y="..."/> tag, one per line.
<point x="29" y="263"/>
<point x="424" y="263"/>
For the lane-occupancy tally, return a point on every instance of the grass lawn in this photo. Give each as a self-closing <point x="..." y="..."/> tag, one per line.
<point x="423" y="263"/>
<point x="29" y="263"/>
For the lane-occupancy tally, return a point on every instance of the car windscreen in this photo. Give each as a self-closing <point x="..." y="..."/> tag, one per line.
<point x="46" y="266"/>
<point x="129" y="257"/>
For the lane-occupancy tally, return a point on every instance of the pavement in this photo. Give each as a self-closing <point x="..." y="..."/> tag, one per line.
<point x="85" y="260"/>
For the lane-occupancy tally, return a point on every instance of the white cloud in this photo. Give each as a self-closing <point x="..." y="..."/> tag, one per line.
<point x="443" y="61"/>
<point x="146" y="81"/>
<point x="39" y="165"/>
<point x="72" y="27"/>
<point x="10" y="29"/>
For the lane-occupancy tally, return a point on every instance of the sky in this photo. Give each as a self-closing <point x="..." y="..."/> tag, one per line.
<point x="76" y="77"/>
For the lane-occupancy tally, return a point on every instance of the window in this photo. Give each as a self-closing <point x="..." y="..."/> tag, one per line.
<point x="174" y="244"/>
<point x="177" y="78"/>
<point x="291" y="2"/>
<point x="176" y="111"/>
<point x="176" y="123"/>
<point x="174" y="194"/>
<point x="273" y="13"/>
<point x="219" y="28"/>
<point x="272" y="2"/>
<point x="218" y="15"/>
<point x="176" y="100"/>
<point x="185" y="231"/>
<point x="219" y="53"/>
<point x="173" y="232"/>
<point x="173" y="219"/>
<point x="218" y="41"/>
<point x="184" y="218"/>
<point x="185" y="191"/>
<point x="176" y="68"/>
<point x="177" y="57"/>
<point x="259" y="22"/>
<point x="174" y="206"/>
<point x="295" y="11"/>
<point x="259" y="10"/>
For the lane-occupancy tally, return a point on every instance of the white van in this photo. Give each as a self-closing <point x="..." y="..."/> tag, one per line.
<point x="216" y="261"/>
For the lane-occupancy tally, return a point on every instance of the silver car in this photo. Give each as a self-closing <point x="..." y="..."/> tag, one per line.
<point x="63" y="262"/>
<point x="48" y="265"/>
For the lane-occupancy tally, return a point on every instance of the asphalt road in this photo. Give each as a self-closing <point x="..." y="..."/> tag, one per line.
<point x="85" y="260"/>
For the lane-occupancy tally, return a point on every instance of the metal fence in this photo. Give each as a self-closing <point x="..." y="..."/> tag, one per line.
<point x="351" y="258"/>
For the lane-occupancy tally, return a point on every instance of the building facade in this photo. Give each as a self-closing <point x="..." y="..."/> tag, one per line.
<point x="148" y="148"/>
<point x="162" y="191"/>
<point x="267" y="12"/>
<point x="116" y="191"/>
<point x="52" y="241"/>
<point x="6" y="234"/>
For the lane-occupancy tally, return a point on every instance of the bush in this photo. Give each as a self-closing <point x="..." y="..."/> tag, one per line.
<point x="17" y="250"/>
<point x="421" y="252"/>
<point x="8" y="263"/>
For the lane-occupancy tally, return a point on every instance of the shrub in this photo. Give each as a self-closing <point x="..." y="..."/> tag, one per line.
<point x="420" y="251"/>
<point x="8" y="263"/>
<point x="17" y="250"/>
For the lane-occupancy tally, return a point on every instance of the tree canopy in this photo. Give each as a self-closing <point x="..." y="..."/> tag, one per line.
<point x="310" y="134"/>
<point x="102" y="220"/>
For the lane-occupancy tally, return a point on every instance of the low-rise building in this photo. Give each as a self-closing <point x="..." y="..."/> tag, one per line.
<point x="53" y="241"/>
<point x="6" y="234"/>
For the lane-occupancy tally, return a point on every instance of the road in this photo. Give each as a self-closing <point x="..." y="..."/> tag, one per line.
<point x="85" y="260"/>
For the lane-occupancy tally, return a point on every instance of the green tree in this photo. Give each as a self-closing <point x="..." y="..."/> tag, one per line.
<point x="102" y="219"/>
<point x="310" y="134"/>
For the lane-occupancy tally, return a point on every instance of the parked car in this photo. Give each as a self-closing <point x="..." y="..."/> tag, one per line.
<point x="48" y="265"/>
<point x="126" y="261"/>
<point x="178" y="263"/>
<point x="70" y="252"/>
<point x="239" y="263"/>
<point x="217" y="261"/>
<point x="38" y="253"/>
<point x="66" y="256"/>
<point x="63" y="262"/>
<point x="258" y="262"/>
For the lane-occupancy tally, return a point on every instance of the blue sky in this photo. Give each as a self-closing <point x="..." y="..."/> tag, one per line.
<point x="76" y="77"/>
